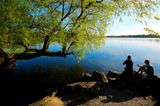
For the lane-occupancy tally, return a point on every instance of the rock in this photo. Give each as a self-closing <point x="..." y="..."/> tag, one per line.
<point x="48" y="101"/>
<point x="86" y="77"/>
<point x="154" y="86"/>
<point x="83" y="88"/>
<point x="113" y="74"/>
<point x="100" y="76"/>
<point x="135" y="82"/>
<point x="84" y="84"/>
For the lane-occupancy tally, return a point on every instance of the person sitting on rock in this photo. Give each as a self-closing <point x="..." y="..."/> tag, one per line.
<point x="126" y="76"/>
<point x="146" y="70"/>
<point x="129" y="65"/>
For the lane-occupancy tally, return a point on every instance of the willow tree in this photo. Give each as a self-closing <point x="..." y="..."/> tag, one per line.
<point x="152" y="31"/>
<point x="77" y="25"/>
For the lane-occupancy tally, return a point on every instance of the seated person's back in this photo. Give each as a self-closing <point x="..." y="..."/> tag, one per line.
<point x="147" y="69"/>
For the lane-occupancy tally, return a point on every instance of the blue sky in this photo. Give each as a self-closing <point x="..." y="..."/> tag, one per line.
<point x="130" y="26"/>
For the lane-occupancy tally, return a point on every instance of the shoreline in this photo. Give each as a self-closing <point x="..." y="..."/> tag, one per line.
<point x="86" y="94"/>
<point x="107" y="97"/>
<point x="132" y="36"/>
<point x="87" y="91"/>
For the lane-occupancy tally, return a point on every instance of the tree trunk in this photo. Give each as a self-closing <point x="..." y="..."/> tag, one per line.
<point x="63" y="50"/>
<point x="3" y="54"/>
<point x="9" y="60"/>
<point x="45" y="44"/>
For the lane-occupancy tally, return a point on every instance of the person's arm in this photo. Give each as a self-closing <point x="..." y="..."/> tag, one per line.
<point x="132" y="63"/>
<point x="124" y="62"/>
<point x="140" y="71"/>
<point x="139" y="68"/>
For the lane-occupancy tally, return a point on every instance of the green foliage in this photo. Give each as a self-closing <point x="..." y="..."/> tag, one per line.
<point x="14" y="21"/>
<point x="77" y="25"/>
<point x="152" y="31"/>
<point x="157" y="18"/>
<point x="12" y="49"/>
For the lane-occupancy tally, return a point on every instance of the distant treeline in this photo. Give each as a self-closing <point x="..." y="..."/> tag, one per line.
<point x="133" y="36"/>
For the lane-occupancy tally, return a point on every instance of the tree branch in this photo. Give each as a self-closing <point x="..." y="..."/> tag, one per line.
<point x="34" y="55"/>
<point x="62" y="9"/>
<point x="69" y="11"/>
<point x="81" y="11"/>
<point x="70" y="46"/>
<point x="89" y="4"/>
<point x="51" y="11"/>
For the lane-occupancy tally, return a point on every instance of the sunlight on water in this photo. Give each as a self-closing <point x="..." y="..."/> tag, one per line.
<point x="139" y="48"/>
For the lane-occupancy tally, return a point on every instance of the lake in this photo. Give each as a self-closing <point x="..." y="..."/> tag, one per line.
<point x="109" y="56"/>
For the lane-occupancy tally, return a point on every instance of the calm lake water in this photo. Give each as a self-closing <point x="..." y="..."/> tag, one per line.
<point x="108" y="57"/>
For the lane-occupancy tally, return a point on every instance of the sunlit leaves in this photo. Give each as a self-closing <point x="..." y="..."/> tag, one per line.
<point x="152" y="32"/>
<point x="157" y="18"/>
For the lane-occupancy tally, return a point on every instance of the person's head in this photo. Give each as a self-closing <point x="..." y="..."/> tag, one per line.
<point x="146" y="62"/>
<point x="129" y="57"/>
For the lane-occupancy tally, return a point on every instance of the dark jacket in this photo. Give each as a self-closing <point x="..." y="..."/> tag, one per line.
<point x="129" y="65"/>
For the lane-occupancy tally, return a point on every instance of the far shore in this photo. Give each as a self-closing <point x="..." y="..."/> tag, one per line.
<point x="132" y="36"/>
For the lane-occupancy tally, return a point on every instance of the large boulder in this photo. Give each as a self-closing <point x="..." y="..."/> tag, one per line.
<point x="86" y="77"/>
<point x="113" y="74"/>
<point x="154" y="86"/>
<point x="100" y="76"/>
<point x="83" y="88"/>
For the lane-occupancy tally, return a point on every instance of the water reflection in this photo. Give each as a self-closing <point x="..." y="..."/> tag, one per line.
<point x="108" y="57"/>
<point x="51" y="77"/>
